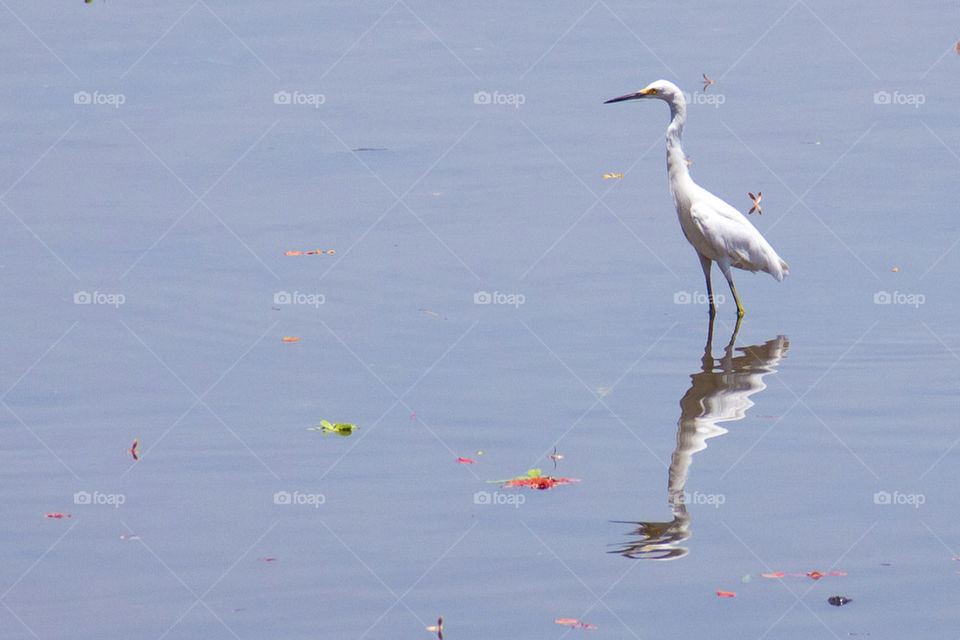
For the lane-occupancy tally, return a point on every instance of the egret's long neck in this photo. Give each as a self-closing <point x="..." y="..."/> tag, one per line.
<point x="677" y="169"/>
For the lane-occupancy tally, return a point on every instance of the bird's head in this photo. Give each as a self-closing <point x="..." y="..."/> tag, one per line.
<point x="661" y="89"/>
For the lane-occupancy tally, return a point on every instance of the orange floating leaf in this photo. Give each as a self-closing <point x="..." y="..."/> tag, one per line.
<point x="778" y="574"/>
<point x="293" y="253"/>
<point x="291" y="339"/>
<point x="726" y="594"/>
<point x="816" y="575"/>
<point x="573" y="623"/>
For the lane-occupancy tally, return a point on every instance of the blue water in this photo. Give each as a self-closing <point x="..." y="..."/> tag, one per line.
<point x="445" y="154"/>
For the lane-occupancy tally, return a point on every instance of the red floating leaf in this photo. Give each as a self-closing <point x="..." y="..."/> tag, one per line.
<point x="816" y="575"/>
<point x="536" y="480"/>
<point x="726" y="594"/>
<point x="465" y="461"/>
<point x="540" y="484"/>
<point x="58" y="516"/>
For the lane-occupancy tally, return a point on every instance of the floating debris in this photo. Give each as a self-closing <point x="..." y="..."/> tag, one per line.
<point x="816" y="575"/>
<point x="291" y="339"/>
<point x="573" y="623"/>
<point x="135" y="450"/>
<point x="437" y="627"/>
<point x="618" y="176"/>
<point x="838" y="601"/>
<point x="535" y="480"/>
<point x="340" y="428"/>
<point x="706" y="82"/>
<point x="555" y="456"/>
<point x="318" y="252"/>
<point x="756" y="203"/>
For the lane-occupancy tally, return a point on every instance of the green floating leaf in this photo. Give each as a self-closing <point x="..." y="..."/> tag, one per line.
<point x="340" y="428"/>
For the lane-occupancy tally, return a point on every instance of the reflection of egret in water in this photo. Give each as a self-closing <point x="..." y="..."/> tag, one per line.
<point x="719" y="392"/>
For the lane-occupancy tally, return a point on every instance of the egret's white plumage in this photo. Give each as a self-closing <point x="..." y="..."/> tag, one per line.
<point x="716" y="230"/>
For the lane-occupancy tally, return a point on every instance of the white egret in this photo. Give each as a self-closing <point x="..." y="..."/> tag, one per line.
<point x="716" y="230"/>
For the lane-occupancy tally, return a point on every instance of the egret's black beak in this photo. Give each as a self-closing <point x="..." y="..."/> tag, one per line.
<point x="630" y="96"/>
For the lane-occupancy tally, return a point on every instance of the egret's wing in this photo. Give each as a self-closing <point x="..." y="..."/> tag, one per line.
<point x="727" y="236"/>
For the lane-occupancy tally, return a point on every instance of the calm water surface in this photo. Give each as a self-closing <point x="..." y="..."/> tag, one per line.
<point x="452" y="156"/>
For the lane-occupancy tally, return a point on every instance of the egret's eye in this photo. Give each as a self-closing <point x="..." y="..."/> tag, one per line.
<point x="653" y="92"/>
